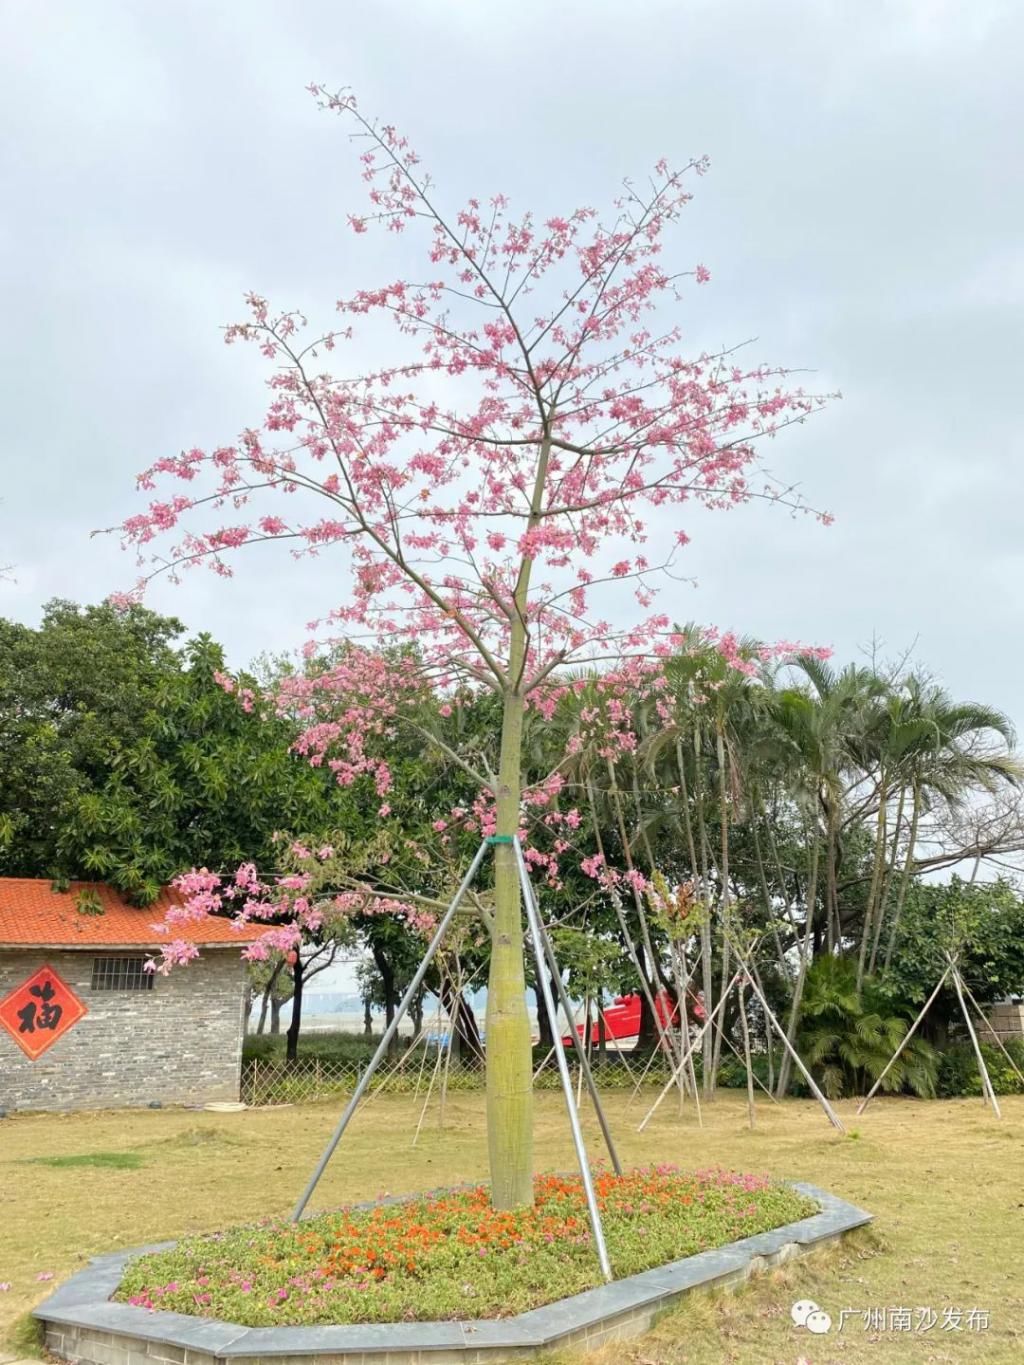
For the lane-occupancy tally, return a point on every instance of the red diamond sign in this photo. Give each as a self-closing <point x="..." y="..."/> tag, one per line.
<point x="40" y="1011"/>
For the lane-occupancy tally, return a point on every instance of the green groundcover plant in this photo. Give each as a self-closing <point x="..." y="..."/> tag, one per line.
<point x="453" y="1255"/>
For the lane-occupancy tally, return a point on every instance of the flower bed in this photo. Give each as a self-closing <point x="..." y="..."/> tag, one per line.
<point x="452" y="1256"/>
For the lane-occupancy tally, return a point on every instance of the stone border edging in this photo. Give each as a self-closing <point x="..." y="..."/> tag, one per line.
<point x="82" y="1324"/>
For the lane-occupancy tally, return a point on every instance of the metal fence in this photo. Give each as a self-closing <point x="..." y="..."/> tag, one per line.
<point x="313" y="1078"/>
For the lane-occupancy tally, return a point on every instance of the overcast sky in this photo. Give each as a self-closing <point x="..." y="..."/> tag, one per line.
<point x="863" y="218"/>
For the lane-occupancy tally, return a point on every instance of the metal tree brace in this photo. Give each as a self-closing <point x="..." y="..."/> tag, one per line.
<point x="546" y="963"/>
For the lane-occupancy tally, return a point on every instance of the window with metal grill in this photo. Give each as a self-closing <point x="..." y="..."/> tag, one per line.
<point x="120" y="974"/>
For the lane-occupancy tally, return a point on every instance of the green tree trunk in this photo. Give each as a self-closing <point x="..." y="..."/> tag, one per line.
<point x="908" y="868"/>
<point x="785" y="1065"/>
<point x="509" y="1058"/>
<point x="872" y="911"/>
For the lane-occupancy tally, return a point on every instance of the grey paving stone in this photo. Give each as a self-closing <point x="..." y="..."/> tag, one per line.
<point x="371" y="1336"/>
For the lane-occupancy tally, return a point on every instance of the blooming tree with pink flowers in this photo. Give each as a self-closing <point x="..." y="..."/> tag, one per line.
<point x="502" y="491"/>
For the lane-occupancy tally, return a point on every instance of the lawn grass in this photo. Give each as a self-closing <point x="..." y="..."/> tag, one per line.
<point x="945" y="1179"/>
<point x="121" y="1161"/>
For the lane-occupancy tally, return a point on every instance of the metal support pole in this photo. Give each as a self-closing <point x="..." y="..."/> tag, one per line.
<point x="389" y="1033"/>
<point x="537" y="939"/>
<point x="563" y="995"/>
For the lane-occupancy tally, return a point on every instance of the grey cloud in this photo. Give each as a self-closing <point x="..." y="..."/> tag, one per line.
<point x="861" y="218"/>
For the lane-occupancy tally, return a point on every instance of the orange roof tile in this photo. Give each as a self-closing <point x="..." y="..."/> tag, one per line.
<point x="33" y="915"/>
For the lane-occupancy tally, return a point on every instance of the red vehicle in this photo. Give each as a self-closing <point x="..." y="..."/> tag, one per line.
<point x="622" y="1017"/>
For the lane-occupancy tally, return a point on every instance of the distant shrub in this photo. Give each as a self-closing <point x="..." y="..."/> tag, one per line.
<point x="959" y="1075"/>
<point x="325" y="1047"/>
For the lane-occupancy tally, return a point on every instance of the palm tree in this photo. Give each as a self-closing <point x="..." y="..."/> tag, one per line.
<point x="943" y="753"/>
<point x="831" y="728"/>
<point x="850" y="1032"/>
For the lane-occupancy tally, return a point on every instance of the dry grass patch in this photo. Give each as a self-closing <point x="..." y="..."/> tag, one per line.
<point x="945" y="1179"/>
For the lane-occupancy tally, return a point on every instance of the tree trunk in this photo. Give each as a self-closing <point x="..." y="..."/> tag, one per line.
<point x="295" y="1024"/>
<point x="466" y="1042"/>
<point x="907" y="869"/>
<point x="762" y="878"/>
<point x="545" y="1038"/>
<point x="275" y="1015"/>
<point x="648" y="1034"/>
<point x="873" y="912"/>
<point x="387" y="977"/>
<point x="707" y="975"/>
<point x="786" y="1063"/>
<point x="367" y="1018"/>
<point x="509" y="1056"/>
<point x="268" y="994"/>
<point x="711" y="1084"/>
<point x="835" y="929"/>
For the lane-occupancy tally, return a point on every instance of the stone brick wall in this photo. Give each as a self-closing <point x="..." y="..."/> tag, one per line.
<point x="180" y="1043"/>
<point x="1006" y="1021"/>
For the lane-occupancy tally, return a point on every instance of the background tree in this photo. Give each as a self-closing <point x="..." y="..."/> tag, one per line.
<point x="982" y="924"/>
<point x="74" y="695"/>
<point x="122" y="759"/>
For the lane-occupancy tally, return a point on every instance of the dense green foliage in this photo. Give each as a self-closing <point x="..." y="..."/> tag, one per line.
<point x="958" y="1072"/>
<point x="123" y="760"/>
<point x="848" y="1037"/>
<point x="804" y="810"/>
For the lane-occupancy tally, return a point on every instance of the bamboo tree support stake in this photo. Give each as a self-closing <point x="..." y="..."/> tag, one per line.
<point x="665" y="1039"/>
<point x="545" y="943"/>
<point x="815" y="1089"/>
<point x="693" y="1081"/>
<point x="767" y="1043"/>
<point x="450" y="1040"/>
<point x="537" y="939"/>
<point x="681" y="1007"/>
<point x="910" y="1033"/>
<point x="746" y="1053"/>
<point x="586" y="1029"/>
<point x="685" y="1046"/>
<point x="986" y="1079"/>
<point x="434" y="1022"/>
<point x="995" y="1036"/>
<point x="615" y="1042"/>
<point x="426" y="1098"/>
<point x="643" y="1076"/>
<point x="672" y="1079"/>
<point x="386" y="1074"/>
<point x="423" y="1056"/>
<point x="543" y="1064"/>
<point x="389" y="1033"/>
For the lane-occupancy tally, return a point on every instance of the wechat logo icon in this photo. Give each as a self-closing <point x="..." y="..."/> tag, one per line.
<point x="806" y="1313"/>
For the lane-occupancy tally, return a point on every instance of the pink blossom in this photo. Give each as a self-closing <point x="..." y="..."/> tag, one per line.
<point x="479" y="527"/>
